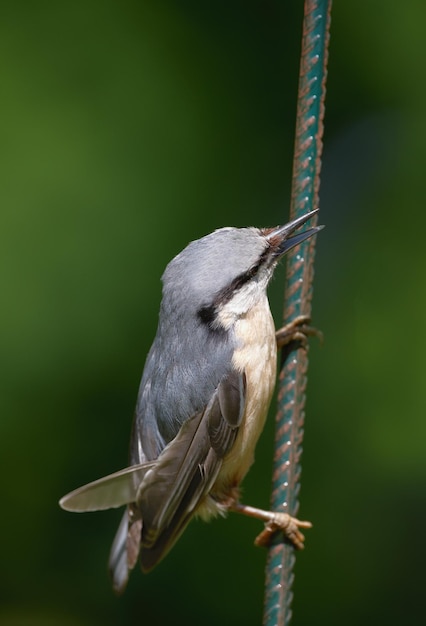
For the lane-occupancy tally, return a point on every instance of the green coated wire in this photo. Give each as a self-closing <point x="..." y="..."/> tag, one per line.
<point x="298" y="296"/>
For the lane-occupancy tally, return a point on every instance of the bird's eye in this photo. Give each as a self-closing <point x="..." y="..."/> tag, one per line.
<point x="252" y="271"/>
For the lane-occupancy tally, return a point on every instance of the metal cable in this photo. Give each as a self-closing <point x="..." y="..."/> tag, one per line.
<point x="298" y="296"/>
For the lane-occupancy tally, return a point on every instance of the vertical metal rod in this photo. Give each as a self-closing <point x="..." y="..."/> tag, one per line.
<point x="298" y="297"/>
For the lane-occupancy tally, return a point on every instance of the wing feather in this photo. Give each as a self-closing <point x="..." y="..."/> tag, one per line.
<point x="108" y="492"/>
<point x="186" y="469"/>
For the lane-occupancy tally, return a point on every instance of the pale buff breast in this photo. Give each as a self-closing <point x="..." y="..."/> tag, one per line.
<point x="257" y="357"/>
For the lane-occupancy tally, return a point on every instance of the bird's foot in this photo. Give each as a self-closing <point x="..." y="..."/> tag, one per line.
<point x="298" y="330"/>
<point x="288" y="525"/>
<point x="274" y="522"/>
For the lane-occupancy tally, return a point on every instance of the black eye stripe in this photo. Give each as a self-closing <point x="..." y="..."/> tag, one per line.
<point x="208" y="312"/>
<point x="207" y="315"/>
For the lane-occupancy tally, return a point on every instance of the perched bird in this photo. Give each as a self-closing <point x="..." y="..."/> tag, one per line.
<point x="203" y="399"/>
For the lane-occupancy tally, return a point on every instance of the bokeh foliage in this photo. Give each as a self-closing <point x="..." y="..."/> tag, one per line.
<point x="128" y="129"/>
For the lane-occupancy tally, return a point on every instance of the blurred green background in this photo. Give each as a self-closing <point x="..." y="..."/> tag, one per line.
<point x="128" y="129"/>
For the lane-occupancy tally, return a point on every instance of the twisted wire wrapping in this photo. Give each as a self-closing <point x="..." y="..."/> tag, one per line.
<point x="298" y="297"/>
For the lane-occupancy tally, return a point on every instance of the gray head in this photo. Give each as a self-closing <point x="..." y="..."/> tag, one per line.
<point x="230" y="267"/>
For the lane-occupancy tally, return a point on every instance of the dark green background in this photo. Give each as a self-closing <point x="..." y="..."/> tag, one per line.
<point x="126" y="130"/>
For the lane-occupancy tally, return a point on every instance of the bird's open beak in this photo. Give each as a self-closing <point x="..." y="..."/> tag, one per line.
<point x="279" y="237"/>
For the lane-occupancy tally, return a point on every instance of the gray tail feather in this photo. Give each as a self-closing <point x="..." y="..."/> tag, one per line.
<point x="117" y="564"/>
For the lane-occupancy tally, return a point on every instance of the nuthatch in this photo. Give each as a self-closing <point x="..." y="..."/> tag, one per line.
<point x="203" y="399"/>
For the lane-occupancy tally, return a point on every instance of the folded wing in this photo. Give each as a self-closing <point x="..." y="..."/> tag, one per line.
<point x="187" y="468"/>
